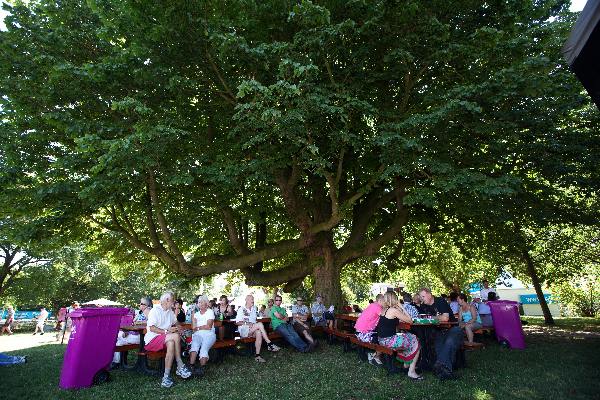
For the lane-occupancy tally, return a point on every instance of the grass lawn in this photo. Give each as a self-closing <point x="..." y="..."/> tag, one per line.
<point x="559" y="363"/>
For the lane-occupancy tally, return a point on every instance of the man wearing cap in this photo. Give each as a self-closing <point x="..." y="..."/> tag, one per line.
<point x="300" y="321"/>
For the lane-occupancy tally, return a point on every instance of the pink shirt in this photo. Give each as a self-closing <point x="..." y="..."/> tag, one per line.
<point x="368" y="318"/>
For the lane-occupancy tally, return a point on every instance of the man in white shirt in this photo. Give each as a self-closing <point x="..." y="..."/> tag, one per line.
<point x="162" y="334"/>
<point x="41" y="321"/>
<point x="486" y="290"/>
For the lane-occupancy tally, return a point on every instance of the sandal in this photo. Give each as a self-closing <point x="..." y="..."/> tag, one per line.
<point x="259" y="359"/>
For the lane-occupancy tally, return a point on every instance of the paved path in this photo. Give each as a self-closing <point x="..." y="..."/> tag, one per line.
<point x="19" y="341"/>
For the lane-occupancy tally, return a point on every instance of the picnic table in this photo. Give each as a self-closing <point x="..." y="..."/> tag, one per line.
<point x="425" y="332"/>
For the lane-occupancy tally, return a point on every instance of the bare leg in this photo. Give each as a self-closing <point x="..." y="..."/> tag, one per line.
<point x="258" y="342"/>
<point x="193" y="355"/>
<point x="257" y="333"/>
<point x="259" y="326"/>
<point x="469" y="332"/>
<point x="413" y="365"/>
<point x="203" y="361"/>
<point x="177" y="341"/>
<point x="170" y="355"/>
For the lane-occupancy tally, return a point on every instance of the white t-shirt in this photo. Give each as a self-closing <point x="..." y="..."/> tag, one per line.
<point x="246" y="315"/>
<point x="160" y="318"/>
<point x="202" y="319"/>
<point x="42" y="317"/>
<point x="484" y="293"/>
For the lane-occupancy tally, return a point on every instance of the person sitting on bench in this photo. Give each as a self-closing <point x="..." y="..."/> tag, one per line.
<point x="161" y="334"/>
<point x="300" y="322"/>
<point x="279" y="323"/>
<point x="125" y="338"/>
<point x="249" y="327"/>
<point x="366" y="324"/>
<point x="204" y="336"/>
<point x="406" y="344"/>
<point x="469" y="317"/>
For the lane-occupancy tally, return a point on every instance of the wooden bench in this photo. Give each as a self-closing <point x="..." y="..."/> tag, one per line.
<point x="473" y="346"/>
<point x="343" y="336"/>
<point x="219" y="349"/>
<point x="154" y="356"/>
<point x="388" y="354"/>
<point x="124" y="350"/>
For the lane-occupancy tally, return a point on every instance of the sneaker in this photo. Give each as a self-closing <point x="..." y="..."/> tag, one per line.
<point x="183" y="372"/>
<point x="370" y="356"/>
<point x="34" y="333"/>
<point x="273" y="347"/>
<point x="375" y="361"/>
<point x="167" y="382"/>
<point x="41" y="333"/>
<point x="198" y="371"/>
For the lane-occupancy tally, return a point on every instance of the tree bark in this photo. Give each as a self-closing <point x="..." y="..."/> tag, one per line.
<point x="327" y="272"/>
<point x="538" y="287"/>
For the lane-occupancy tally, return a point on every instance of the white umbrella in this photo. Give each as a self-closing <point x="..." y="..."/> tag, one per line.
<point x="102" y="303"/>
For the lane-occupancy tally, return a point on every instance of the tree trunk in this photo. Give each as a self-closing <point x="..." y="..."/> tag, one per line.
<point x="538" y="288"/>
<point x="327" y="276"/>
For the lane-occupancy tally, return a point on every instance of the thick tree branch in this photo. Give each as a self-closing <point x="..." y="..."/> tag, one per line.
<point x="208" y="265"/>
<point x="162" y="222"/>
<point x="294" y="205"/>
<point x="349" y="253"/>
<point x="231" y="95"/>
<point x="232" y="231"/>
<point x="294" y="271"/>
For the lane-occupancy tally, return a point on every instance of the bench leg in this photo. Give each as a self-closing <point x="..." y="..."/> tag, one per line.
<point x="346" y="345"/>
<point x="362" y="353"/>
<point x="390" y="366"/>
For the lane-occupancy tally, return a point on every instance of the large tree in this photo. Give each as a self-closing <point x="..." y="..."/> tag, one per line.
<point x="283" y="139"/>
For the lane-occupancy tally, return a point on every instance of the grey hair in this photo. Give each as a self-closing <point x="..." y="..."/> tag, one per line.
<point x="202" y="299"/>
<point x="166" y="295"/>
<point x="147" y="300"/>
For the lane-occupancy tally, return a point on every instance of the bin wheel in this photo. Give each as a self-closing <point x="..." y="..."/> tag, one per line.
<point x="101" y="377"/>
<point x="505" y="344"/>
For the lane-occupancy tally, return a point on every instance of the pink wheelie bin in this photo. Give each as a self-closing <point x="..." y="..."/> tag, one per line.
<point x="507" y="323"/>
<point x="91" y="345"/>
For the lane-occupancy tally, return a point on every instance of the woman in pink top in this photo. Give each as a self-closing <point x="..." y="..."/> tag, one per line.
<point x="367" y="323"/>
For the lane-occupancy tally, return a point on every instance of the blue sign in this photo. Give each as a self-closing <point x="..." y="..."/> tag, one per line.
<point x="27" y="314"/>
<point x="533" y="299"/>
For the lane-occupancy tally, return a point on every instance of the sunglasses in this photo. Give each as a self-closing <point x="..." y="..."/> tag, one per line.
<point x="277" y="300"/>
<point x="143" y="304"/>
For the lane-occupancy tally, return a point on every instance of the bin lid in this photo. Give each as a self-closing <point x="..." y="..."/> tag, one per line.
<point x="92" y="312"/>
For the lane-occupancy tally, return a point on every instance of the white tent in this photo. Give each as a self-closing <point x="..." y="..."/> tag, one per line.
<point x="102" y="302"/>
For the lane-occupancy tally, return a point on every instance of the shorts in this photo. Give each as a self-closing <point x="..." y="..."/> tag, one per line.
<point x="367" y="337"/>
<point x="156" y="344"/>
<point x="299" y="328"/>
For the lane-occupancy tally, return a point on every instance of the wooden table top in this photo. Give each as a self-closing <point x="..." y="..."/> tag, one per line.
<point x="403" y="325"/>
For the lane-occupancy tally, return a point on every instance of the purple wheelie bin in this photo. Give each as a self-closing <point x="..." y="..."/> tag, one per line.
<point x="91" y="345"/>
<point x="507" y="323"/>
